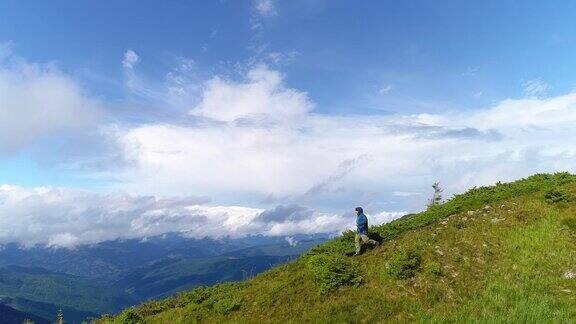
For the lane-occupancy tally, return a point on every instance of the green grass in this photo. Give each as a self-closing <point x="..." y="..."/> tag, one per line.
<point x="493" y="254"/>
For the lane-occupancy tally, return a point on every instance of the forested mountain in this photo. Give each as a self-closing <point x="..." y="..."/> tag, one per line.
<point x="104" y="278"/>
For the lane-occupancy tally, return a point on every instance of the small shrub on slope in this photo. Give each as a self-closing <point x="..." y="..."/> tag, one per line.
<point x="222" y="299"/>
<point x="227" y="305"/>
<point x="344" y="245"/>
<point x="332" y="271"/>
<point x="129" y="317"/>
<point x="570" y="223"/>
<point x="557" y="195"/>
<point x="196" y="295"/>
<point x="405" y="264"/>
<point x="433" y="268"/>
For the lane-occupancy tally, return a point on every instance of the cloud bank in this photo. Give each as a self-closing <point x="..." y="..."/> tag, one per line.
<point x="262" y="142"/>
<point x="256" y="145"/>
<point x="60" y="217"/>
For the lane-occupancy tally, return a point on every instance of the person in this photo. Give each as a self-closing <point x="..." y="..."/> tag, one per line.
<point x="362" y="231"/>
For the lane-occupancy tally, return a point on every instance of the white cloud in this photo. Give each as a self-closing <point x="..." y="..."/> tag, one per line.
<point x="535" y="88"/>
<point x="258" y="139"/>
<point x="278" y="58"/>
<point x="37" y="100"/>
<point x="386" y="89"/>
<point x="265" y="7"/>
<point x="262" y="9"/>
<point x="292" y="241"/>
<point x="130" y="59"/>
<point x="149" y="90"/>
<point x="62" y="217"/>
<point x="261" y="95"/>
<point x="470" y="71"/>
<point x="405" y="193"/>
<point x="266" y="144"/>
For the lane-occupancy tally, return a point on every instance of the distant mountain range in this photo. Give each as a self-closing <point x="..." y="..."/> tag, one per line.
<point x="103" y="278"/>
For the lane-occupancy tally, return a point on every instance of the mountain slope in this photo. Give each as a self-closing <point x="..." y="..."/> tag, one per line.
<point x="46" y="309"/>
<point x="124" y="273"/>
<point x="9" y="315"/>
<point x="505" y="253"/>
<point x="169" y="276"/>
<point x="108" y="262"/>
<point x="41" y="292"/>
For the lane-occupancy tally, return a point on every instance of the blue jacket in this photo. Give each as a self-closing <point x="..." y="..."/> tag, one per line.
<point x="362" y="224"/>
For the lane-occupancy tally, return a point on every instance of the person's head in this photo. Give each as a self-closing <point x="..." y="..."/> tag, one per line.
<point x="359" y="210"/>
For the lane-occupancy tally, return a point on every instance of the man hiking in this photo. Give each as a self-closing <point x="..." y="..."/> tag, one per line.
<point x="362" y="231"/>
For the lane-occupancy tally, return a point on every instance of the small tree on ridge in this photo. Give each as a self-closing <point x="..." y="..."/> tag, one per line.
<point x="60" y="317"/>
<point x="436" y="196"/>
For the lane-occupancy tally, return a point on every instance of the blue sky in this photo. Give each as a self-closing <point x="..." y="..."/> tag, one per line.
<point x="429" y="51"/>
<point x="318" y="105"/>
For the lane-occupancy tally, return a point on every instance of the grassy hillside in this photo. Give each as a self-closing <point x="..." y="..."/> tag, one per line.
<point x="505" y="253"/>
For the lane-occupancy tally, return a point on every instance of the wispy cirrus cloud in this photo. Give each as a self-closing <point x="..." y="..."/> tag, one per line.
<point x="130" y="59"/>
<point x="535" y="88"/>
<point x="265" y="7"/>
<point x="262" y="9"/>
<point x="386" y="89"/>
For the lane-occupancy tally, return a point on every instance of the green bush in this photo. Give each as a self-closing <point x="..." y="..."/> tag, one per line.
<point x="195" y="296"/>
<point x="460" y="224"/>
<point x="227" y="305"/>
<point x="557" y="195"/>
<point x="405" y="264"/>
<point x="570" y="223"/>
<point x="129" y="316"/>
<point x="151" y="308"/>
<point x="433" y="268"/>
<point x="332" y="271"/>
<point x="343" y="245"/>
<point x="222" y="298"/>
